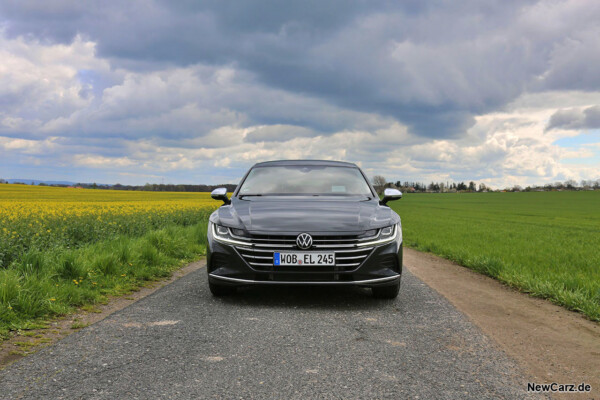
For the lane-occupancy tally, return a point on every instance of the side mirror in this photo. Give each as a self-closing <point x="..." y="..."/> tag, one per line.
<point x="220" y="194"/>
<point x="390" y="194"/>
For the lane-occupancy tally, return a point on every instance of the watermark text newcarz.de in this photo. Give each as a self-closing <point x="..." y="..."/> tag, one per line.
<point x="555" y="387"/>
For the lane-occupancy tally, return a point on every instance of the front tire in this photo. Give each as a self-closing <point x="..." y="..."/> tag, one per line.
<point x="221" y="290"/>
<point x="386" y="292"/>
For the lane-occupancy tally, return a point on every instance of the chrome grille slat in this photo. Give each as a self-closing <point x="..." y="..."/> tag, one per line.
<point x="350" y="258"/>
<point x="260" y="264"/>
<point x="365" y="249"/>
<point x="277" y="246"/>
<point x="341" y="246"/>
<point x="316" y="240"/>
<point x="267" y="240"/>
<point x="258" y="257"/>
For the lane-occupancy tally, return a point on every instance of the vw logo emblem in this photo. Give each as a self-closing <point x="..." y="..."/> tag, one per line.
<point x="304" y="241"/>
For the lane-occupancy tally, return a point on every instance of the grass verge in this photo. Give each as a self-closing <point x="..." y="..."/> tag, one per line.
<point x="561" y="290"/>
<point x="544" y="244"/>
<point x="42" y="285"/>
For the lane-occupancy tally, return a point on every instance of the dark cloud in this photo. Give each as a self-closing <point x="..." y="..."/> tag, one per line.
<point x="431" y="65"/>
<point x="325" y="66"/>
<point x="588" y="118"/>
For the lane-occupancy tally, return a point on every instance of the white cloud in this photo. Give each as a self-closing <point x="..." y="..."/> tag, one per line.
<point x="96" y="161"/>
<point x="39" y="82"/>
<point x="28" y="147"/>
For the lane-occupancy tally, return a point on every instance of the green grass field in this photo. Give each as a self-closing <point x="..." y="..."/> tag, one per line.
<point x="543" y="243"/>
<point x="63" y="248"/>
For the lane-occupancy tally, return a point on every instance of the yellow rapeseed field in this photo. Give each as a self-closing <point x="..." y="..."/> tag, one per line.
<point x="61" y="248"/>
<point x="45" y="217"/>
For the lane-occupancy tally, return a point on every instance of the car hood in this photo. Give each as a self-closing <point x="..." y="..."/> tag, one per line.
<point x="295" y="215"/>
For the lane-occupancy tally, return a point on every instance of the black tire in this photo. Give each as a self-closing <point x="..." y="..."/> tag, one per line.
<point x="386" y="292"/>
<point x="221" y="290"/>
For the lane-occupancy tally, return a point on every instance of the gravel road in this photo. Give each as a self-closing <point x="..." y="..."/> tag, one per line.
<point x="297" y="342"/>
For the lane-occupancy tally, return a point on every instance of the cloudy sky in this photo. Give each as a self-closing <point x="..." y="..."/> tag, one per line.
<point x="501" y="92"/>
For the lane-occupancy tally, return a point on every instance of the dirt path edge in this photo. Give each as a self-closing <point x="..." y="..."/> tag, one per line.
<point x="550" y="342"/>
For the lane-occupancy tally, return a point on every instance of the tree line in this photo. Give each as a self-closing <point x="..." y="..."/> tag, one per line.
<point x="169" y="187"/>
<point x="149" y="187"/>
<point x="380" y="183"/>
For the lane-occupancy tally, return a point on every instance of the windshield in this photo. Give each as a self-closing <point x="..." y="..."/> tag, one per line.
<point x="305" y="180"/>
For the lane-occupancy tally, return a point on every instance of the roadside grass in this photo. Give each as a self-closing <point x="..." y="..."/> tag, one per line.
<point x="545" y="244"/>
<point x="43" y="284"/>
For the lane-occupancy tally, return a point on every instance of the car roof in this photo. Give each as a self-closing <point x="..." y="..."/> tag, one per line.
<point x="306" y="162"/>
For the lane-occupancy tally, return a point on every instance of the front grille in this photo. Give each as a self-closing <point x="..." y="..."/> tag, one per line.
<point x="348" y="257"/>
<point x="289" y="242"/>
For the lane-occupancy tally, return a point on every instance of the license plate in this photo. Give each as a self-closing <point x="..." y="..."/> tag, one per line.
<point x="303" y="258"/>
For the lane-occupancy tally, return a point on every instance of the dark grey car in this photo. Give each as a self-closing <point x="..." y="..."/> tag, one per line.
<point x="305" y="222"/>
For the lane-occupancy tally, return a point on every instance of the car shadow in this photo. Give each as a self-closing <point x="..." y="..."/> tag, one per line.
<point x="306" y="297"/>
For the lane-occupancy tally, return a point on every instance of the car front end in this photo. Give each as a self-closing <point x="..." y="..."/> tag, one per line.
<point x="305" y="240"/>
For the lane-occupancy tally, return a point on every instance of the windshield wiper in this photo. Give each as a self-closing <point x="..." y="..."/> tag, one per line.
<point x="241" y="196"/>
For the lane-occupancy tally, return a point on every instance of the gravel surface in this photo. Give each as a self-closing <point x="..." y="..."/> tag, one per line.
<point x="271" y="342"/>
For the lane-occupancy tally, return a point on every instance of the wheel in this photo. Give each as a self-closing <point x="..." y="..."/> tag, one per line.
<point x="386" y="292"/>
<point x="221" y="290"/>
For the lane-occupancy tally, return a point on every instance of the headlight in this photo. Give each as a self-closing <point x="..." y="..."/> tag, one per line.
<point x="387" y="231"/>
<point x="223" y="234"/>
<point x="386" y="235"/>
<point x="222" y="230"/>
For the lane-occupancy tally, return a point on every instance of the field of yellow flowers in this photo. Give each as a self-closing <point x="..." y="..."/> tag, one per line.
<point x="33" y="217"/>
<point x="65" y="247"/>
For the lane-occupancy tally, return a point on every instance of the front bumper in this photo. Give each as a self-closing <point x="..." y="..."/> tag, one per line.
<point x="366" y="282"/>
<point x="226" y="266"/>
